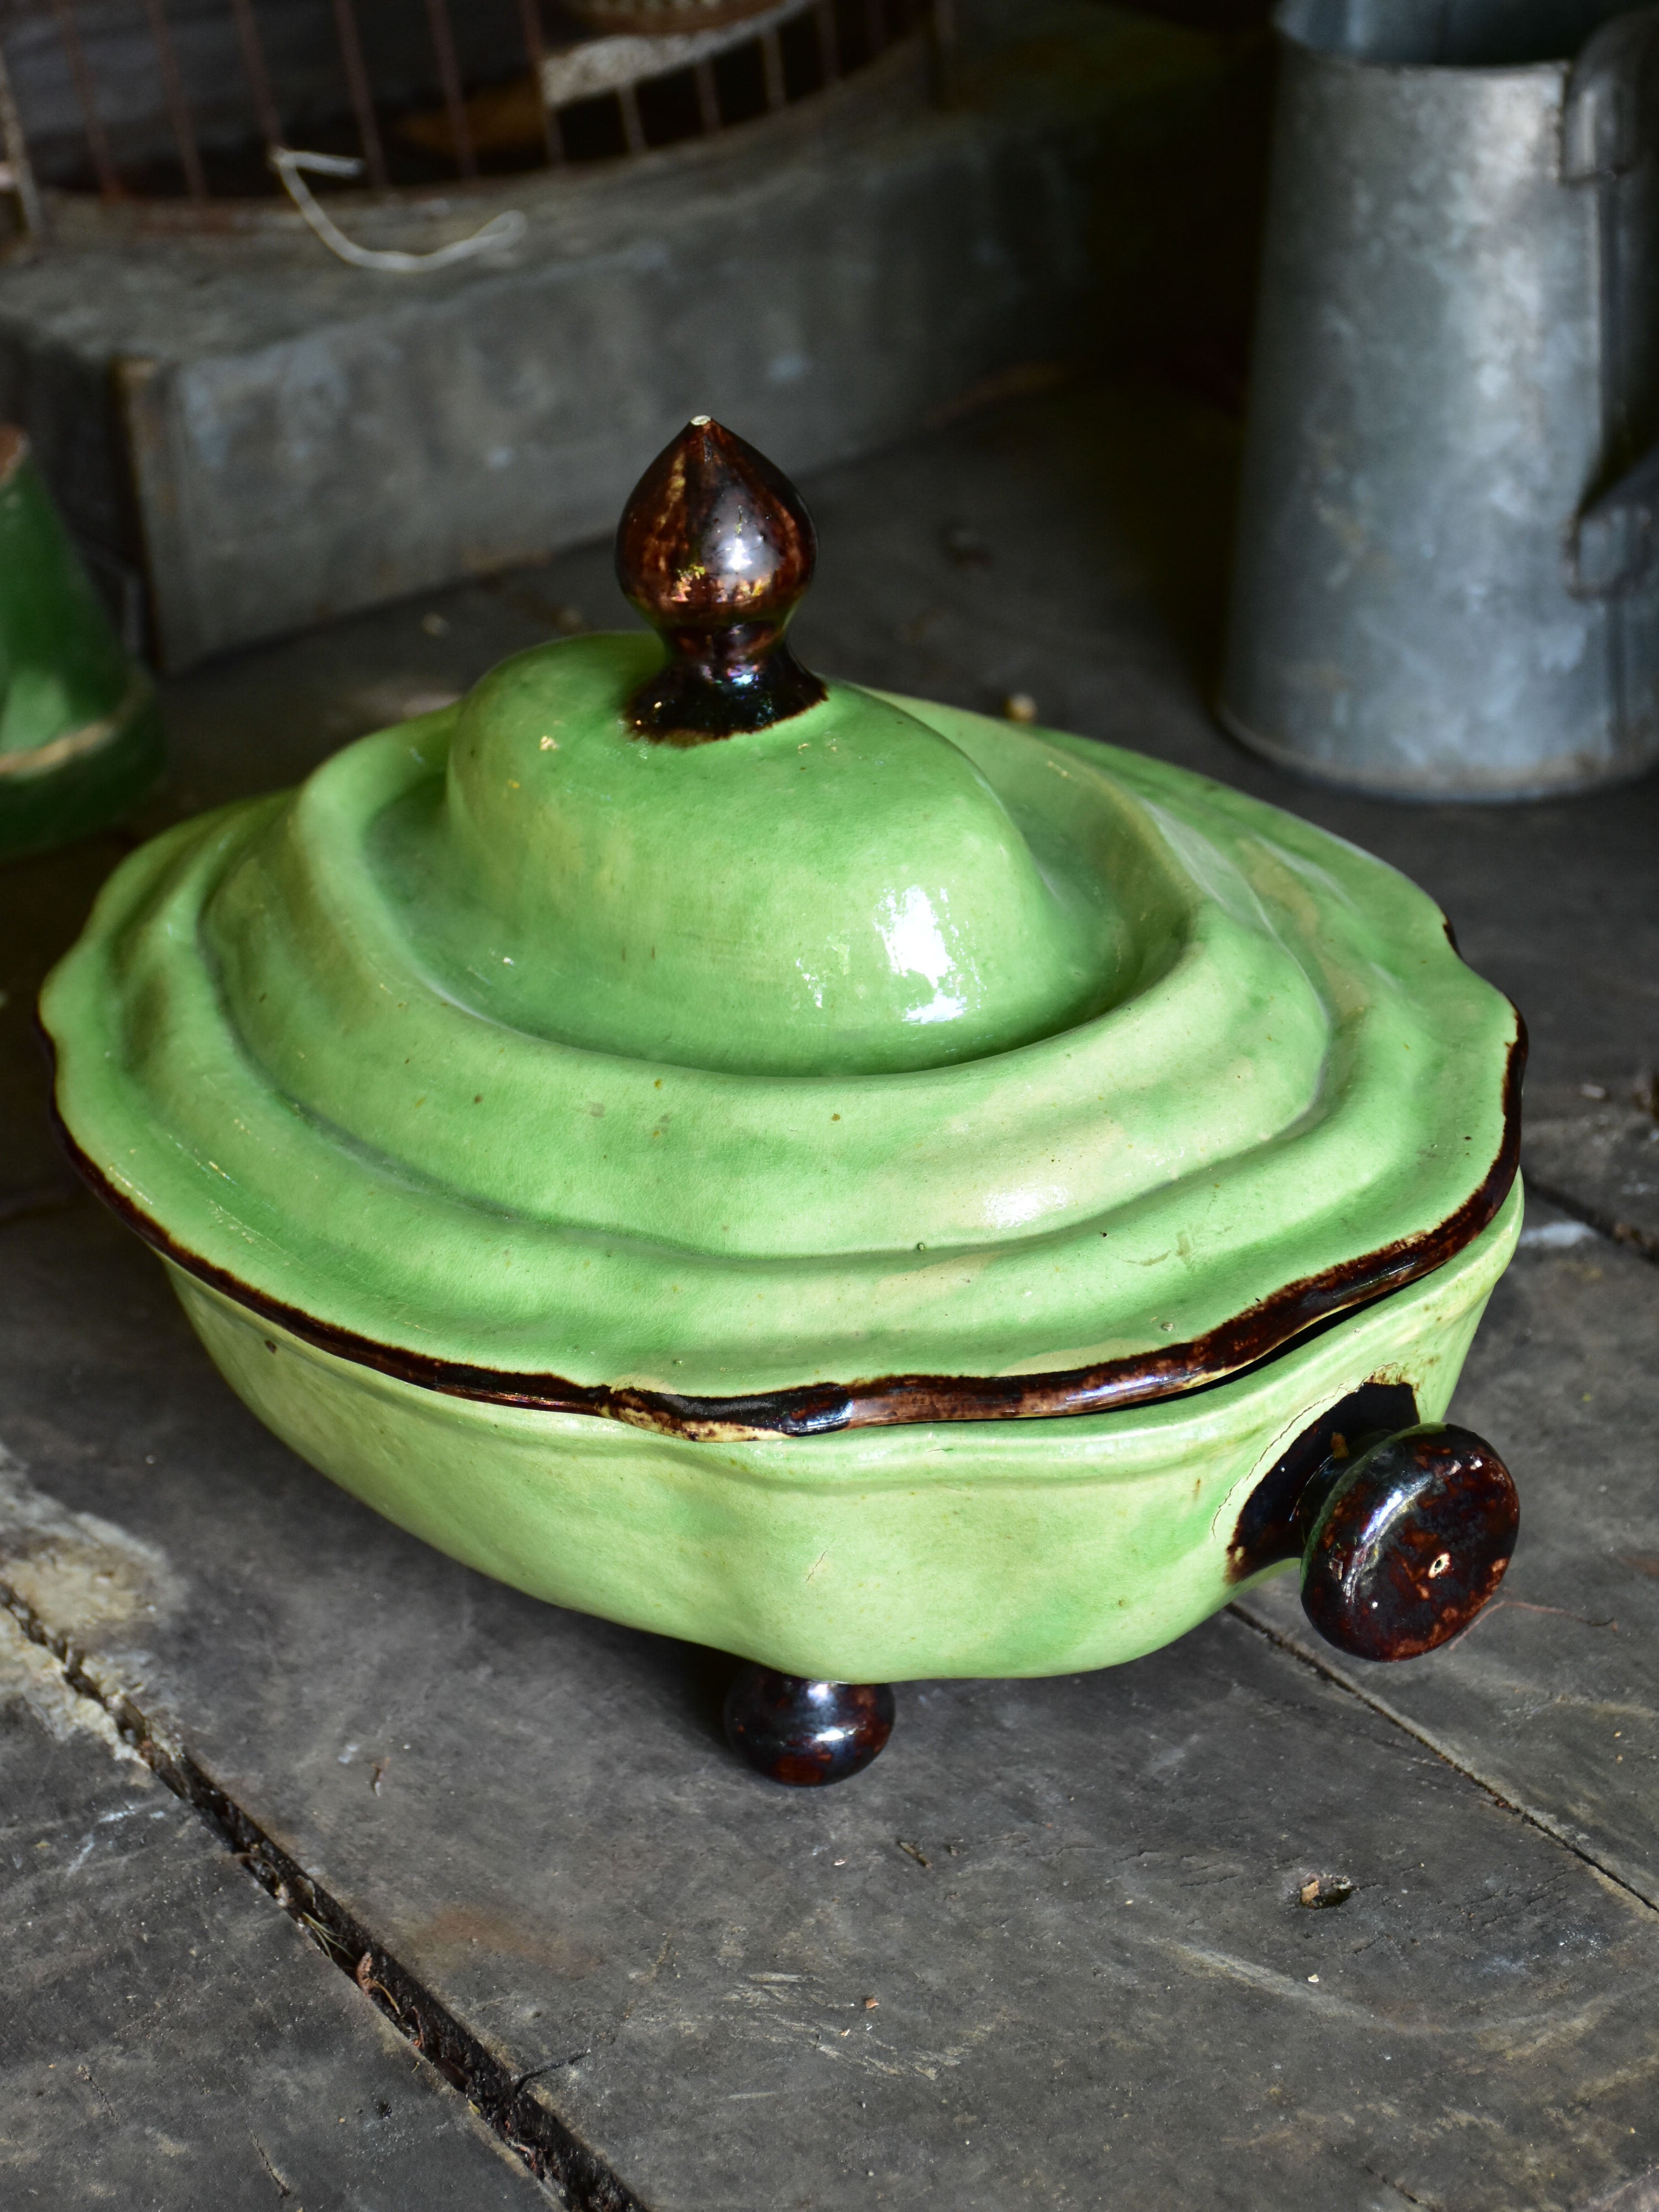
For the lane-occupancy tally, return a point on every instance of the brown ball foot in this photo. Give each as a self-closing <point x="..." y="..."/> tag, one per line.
<point x="806" y="1733"/>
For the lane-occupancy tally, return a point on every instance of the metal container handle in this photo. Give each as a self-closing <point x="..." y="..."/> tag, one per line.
<point x="1609" y="133"/>
<point x="1608" y="93"/>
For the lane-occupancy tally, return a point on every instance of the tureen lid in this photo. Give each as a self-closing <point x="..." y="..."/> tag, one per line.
<point x="665" y="1033"/>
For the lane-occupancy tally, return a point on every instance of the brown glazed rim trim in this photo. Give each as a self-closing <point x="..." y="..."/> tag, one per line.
<point x="1257" y="1335"/>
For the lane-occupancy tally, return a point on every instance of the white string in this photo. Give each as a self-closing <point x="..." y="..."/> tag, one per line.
<point x="504" y="229"/>
<point x="608" y="62"/>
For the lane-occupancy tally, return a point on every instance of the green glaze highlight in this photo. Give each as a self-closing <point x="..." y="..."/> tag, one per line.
<point x="887" y="1040"/>
<point x="882" y="1554"/>
<point x="80" y="734"/>
<point x="843" y="892"/>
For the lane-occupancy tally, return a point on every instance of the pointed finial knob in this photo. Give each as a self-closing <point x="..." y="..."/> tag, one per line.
<point x="716" y="549"/>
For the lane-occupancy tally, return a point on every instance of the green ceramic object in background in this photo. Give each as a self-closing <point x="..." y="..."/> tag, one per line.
<point x="881" y="1190"/>
<point x="80" y="735"/>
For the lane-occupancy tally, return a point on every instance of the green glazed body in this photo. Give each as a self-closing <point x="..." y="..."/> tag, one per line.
<point x="881" y="1554"/>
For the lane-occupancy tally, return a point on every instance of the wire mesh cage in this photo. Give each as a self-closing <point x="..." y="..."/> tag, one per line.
<point x="192" y="102"/>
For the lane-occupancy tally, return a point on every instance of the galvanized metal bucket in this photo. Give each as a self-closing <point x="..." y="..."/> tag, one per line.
<point x="1447" y="582"/>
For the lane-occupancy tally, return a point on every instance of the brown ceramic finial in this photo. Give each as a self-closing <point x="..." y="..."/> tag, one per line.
<point x="715" y="548"/>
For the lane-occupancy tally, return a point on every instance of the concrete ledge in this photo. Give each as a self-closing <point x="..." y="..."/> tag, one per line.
<point x="271" y="438"/>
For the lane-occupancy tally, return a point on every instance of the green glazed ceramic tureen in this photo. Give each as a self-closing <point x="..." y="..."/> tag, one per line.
<point x="881" y="1191"/>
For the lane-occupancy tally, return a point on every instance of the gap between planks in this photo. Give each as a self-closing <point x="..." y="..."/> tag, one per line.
<point x="548" y="2149"/>
<point x="1544" y="1822"/>
<point x="1622" y="1233"/>
<point x="1646" y="1248"/>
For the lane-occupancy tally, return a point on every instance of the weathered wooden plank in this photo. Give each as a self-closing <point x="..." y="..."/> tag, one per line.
<point x="1601" y="1160"/>
<point x="1552" y="1696"/>
<point x="1641" y="2195"/>
<point x="533" y="1813"/>
<point x="168" y="2037"/>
